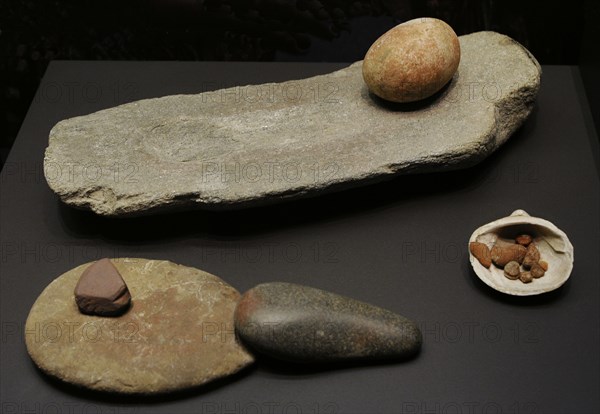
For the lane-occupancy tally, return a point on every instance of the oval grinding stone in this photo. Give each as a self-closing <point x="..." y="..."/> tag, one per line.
<point x="177" y="334"/>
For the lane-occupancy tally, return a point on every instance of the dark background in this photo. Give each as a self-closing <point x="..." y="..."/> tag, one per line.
<point x="33" y="33"/>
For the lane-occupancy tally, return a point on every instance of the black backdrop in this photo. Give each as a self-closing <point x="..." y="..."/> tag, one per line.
<point x="32" y="33"/>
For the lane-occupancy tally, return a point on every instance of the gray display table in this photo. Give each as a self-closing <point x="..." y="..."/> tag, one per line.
<point x="401" y="245"/>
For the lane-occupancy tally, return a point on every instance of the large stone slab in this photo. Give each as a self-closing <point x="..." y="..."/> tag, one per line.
<point x="178" y="333"/>
<point x="260" y="144"/>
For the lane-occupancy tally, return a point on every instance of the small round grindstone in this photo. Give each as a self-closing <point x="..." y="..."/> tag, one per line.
<point x="303" y="324"/>
<point x="101" y="290"/>
<point x="412" y="61"/>
<point x="178" y="332"/>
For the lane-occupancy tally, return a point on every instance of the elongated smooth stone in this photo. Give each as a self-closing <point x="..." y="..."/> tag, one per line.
<point x="304" y="324"/>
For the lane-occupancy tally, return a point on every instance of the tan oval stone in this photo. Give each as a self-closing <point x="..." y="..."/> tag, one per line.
<point x="178" y="333"/>
<point x="412" y="61"/>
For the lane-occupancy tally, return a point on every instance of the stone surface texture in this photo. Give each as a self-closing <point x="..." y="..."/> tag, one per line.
<point x="261" y="144"/>
<point x="101" y="290"/>
<point x="412" y="61"/>
<point x="304" y="324"/>
<point x="177" y="334"/>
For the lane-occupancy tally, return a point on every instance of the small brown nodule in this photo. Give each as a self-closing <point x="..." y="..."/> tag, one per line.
<point x="502" y="254"/>
<point x="537" y="271"/>
<point x="526" y="277"/>
<point x="524" y="239"/>
<point x="512" y="270"/>
<point x="531" y="257"/>
<point x="481" y="253"/>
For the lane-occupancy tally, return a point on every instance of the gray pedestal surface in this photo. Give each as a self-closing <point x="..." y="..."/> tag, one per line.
<point x="401" y="245"/>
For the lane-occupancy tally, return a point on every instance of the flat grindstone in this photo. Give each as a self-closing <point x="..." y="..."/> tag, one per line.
<point x="254" y="145"/>
<point x="177" y="334"/>
<point x="304" y="324"/>
<point x="101" y="290"/>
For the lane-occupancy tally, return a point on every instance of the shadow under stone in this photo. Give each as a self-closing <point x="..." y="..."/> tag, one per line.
<point x="295" y="369"/>
<point x="416" y="105"/>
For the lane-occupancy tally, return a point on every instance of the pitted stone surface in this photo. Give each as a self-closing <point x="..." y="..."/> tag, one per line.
<point x="177" y="334"/>
<point x="260" y="144"/>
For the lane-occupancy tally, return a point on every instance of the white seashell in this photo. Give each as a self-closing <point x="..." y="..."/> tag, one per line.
<point x="553" y="244"/>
